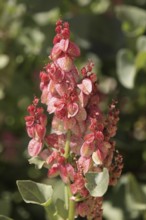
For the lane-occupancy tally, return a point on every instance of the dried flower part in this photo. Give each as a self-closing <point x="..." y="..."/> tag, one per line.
<point x="81" y="139"/>
<point x="116" y="168"/>
<point x="90" y="208"/>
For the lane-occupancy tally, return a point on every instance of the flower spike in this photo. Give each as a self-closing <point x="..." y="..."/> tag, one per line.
<point x="80" y="144"/>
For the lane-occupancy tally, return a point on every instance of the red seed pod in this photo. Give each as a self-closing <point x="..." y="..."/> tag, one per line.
<point x="35" y="101"/>
<point x="84" y="71"/>
<point x="89" y="67"/>
<point x="58" y="29"/>
<point x="44" y="78"/>
<point x="34" y="147"/>
<point x="99" y="136"/>
<point x="59" y="22"/>
<point x="73" y="50"/>
<point x="31" y="109"/>
<point x="56" y="39"/>
<point x="66" y="25"/>
<point x="39" y="111"/>
<point x="40" y="131"/>
<point x="29" y="120"/>
<point x="93" y="77"/>
<point x="65" y="33"/>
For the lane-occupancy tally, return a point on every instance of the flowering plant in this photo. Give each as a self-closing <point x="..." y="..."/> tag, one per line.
<point x="79" y="149"/>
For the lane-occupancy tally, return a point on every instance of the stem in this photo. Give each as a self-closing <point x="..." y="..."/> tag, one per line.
<point x="69" y="203"/>
<point x="71" y="210"/>
<point x="66" y="196"/>
<point x="67" y="144"/>
<point x="71" y="214"/>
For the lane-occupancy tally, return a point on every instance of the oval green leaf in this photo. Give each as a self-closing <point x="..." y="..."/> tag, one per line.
<point x="140" y="60"/>
<point x="126" y="69"/>
<point x="97" y="183"/>
<point x="100" y="7"/>
<point x="135" y="196"/>
<point x="36" y="193"/>
<point x="141" y="43"/>
<point x="128" y="15"/>
<point x="60" y="207"/>
<point x="4" y="60"/>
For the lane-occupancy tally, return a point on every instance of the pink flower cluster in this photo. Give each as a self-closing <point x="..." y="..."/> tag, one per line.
<point x="36" y="128"/>
<point x="80" y="139"/>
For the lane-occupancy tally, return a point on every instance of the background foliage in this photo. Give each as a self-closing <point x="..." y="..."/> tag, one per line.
<point x="113" y="34"/>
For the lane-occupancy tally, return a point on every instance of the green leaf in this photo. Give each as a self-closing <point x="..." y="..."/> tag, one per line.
<point x="36" y="193"/>
<point x="100" y="6"/>
<point x="37" y="161"/>
<point x="61" y="211"/>
<point x="3" y="217"/>
<point x="58" y="199"/>
<point x="141" y="60"/>
<point x="135" y="197"/>
<point x="97" y="183"/>
<point x="51" y="212"/>
<point x="43" y="18"/>
<point x="83" y="3"/>
<point x="133" y="19"/>
<point x="126" y="70"/>
<point x="141" y="43"/>
<point x="4" y="60"/>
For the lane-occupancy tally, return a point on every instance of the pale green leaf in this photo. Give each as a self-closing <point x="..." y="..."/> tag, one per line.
<point x="97" y="183"/>
<point x="58" y="201"/>
<point x="141" y="43"/>
<point x="126" y="68"/>
<point x="133" y="18"/>
<point x="60" y="207"/>
<point x="37" y="161"/>
<point x="135" y="196"/>
<point x="84" y="3"/>
<point x="51" y="16"/>
<point x="36" y="193"/>
<point x="52" y="212"/>
<point x="32" y="40"/>
<point x="100" y="6"/>
<point x="4" y="60"/>
<point x="140" y="60"/>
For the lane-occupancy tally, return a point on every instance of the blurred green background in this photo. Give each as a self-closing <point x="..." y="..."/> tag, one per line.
<point x="113" y="34"/>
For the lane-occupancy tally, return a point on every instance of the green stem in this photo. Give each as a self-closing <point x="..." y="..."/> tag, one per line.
<point x="67" y="144"/>
<point x="66" y="196"/>
<point x="69" y="203"/>
<point x="71" y="210"/>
